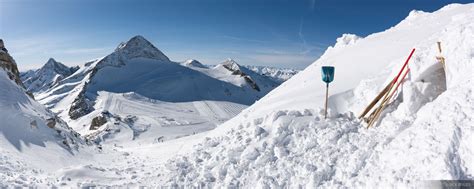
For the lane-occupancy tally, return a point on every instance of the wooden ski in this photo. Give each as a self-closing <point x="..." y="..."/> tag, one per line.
<point x="386" y="94"/>
<point x="377" y="98"/>
<point x="386" y="100"/>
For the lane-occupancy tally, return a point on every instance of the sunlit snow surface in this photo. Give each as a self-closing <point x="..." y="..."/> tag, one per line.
<point x="282" y="140"/>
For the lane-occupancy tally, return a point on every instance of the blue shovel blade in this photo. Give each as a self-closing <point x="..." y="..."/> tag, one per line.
<point x="327" y="73"/>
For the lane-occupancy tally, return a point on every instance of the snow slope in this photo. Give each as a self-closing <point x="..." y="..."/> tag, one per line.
<point x="147" y="121"/>
<point x="425" y="133"/>
<point x="46" y="77"/>
<point x="32" y="139"/>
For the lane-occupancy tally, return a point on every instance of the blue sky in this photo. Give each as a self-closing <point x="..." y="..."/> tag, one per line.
<point x="291" y="33"/>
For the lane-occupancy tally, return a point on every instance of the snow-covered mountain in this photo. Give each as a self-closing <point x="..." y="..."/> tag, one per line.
<point x="31" y="137"/>
<point x="139" y="73"/>
<point x="193" y="63"/>
<point x="47" y="76"/>
<point x="279" y="75"/>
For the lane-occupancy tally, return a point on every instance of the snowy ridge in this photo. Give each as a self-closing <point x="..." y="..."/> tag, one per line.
<point x="279" y="75"/>
<point x="194" y="63"/>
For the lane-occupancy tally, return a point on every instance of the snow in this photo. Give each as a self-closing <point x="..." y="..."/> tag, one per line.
<point x="29" y="148"/>
<point x="170" y="82"/>
<point x="283" y="141"/>
<point x="346" y="40"/>
<point x="194" y="63"/>
<point x="138" y="46"/>
<point x="147" y="98"/>
<point x="153" y="121"/>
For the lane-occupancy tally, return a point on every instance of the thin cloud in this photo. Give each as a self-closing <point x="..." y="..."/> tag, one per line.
<point x="312" y="4"/>
<point x="242" y="39"/>
<point x="83" y="51"/>
<point x="300" y="34"/>
<point x="283" y="58"/>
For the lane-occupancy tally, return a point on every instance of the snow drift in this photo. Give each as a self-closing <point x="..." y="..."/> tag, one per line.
<point x="424" y="134"/>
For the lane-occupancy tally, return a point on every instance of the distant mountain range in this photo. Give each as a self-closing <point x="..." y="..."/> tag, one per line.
<point x="47" y="76"/>
<point x="279" y="75"/>
<point x="139" y="73"/>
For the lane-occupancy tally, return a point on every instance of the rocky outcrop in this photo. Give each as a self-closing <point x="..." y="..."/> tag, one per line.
<point x="51" y="122"/>
<point x="232" y="66"/>
<point x="81" y="106"/>
<point x="97" y="122"/>
<point x="9" y="65"/>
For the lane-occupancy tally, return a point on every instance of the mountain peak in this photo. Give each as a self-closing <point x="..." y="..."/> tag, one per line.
<point x="51" y="62"/>
<point x="57" y="67"/>
<point x="195" y="63"/>
<point x="231" y="64"/>
<point x="139" y="47"/>
<point x="137" y="40"/>
<point x="230" y="60"/>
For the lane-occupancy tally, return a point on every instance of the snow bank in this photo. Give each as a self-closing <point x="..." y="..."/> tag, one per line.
<point x="281" y="141"/>
<point x="346" y="39"/>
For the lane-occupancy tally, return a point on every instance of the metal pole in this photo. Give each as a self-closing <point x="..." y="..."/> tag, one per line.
<point x="326" y="107"/>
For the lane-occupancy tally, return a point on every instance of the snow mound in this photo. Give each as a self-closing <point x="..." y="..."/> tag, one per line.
<point x="346" y="39"/>
<point x="282" y="141"/>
